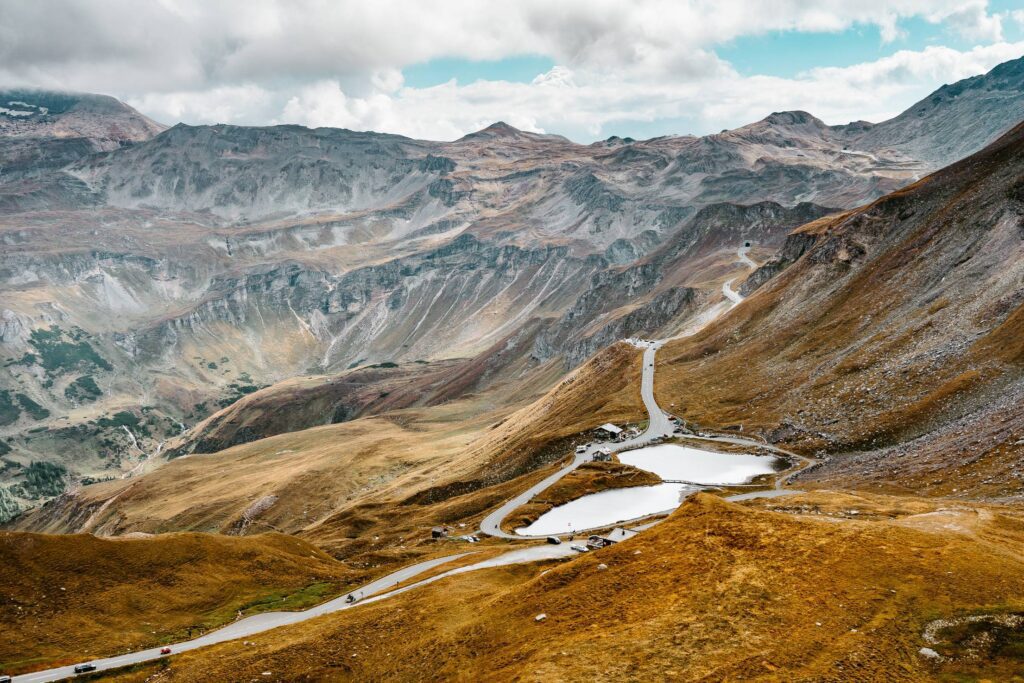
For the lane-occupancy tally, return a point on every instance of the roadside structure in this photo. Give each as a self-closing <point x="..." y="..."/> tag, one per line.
<point x="609" y="430"/>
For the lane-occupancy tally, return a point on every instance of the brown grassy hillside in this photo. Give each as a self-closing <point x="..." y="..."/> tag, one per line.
<point x="895" y="322"/>
<point x="368" y="490"/>
<point x="73" y="598"/>
<point x="717" y="592"/>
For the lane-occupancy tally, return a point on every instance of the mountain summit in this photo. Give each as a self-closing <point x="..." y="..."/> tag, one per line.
<point x="51" y="114"/>
<point x="500" y="130"/>
<point x="953" y="121"/>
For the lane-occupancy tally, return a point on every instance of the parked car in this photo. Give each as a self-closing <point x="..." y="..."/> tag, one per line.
<point x="554" y="540"/>
<point x="5" y="679"/>
<point x="84" y="668"/>
<point x="579" y="548"/>
<point x="165" y="650"/>
<point x="581" y="449"/>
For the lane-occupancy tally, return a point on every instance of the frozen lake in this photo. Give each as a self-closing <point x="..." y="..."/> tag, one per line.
<point x="668" y="461"/>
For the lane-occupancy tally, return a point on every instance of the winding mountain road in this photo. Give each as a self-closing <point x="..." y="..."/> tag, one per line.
<point x="659" y="425"/>
<point x="742" y="254"/>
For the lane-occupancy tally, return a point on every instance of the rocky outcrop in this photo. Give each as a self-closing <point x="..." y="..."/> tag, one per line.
<point x="942" y="128"/>
<point x="623" y="251"/>
<point x="726" y="224"/>
<point x="644" y="321"/>
<point x="796" y="245"/>
<point x="585" y="189"/>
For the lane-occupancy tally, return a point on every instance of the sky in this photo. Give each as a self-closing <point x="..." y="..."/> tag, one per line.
<point x="438" y="69"/>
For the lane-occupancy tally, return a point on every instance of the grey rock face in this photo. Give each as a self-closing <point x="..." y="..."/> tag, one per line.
<point x="12" y="328"/>
<point x="287" y="250"/>
<point x="954" y="121"/>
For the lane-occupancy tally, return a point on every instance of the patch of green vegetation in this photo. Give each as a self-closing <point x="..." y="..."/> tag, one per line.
<point x="57" y="355"/>
<point x="385" y="364"/>
<point x="27" y="359"/>
<point x="4" y="448"/>
<point x="224" y="359"/>
<point x="32" y="408"/>
<point x="44" y="479"/>
<point x="122" y="418"/>
<point x="199" y="411"/>
<point x="9" y="508"/>
<point x="94" y="480"/>
<point x="211" y="365"/>
<point x="9" y="412"/>
<point x="125" y="418"/>
<point x="310" y="595"/>
<point x="83" y="389"/>
<point x="237" y="392"/>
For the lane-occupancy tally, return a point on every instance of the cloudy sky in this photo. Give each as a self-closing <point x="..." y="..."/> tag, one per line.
<point x="438" y="69"/>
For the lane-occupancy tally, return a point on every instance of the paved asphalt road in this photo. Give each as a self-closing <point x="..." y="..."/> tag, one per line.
<point x="659" y="425"/>
<point x="742" y="254"/>
<point x="245" y="627"/>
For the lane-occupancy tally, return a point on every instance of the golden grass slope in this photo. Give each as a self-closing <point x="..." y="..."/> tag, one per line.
<point x="896" y="322"/>
<point x="435" y="452"/>
<point x="74" y="598"/>
<point x="718" y="592"/>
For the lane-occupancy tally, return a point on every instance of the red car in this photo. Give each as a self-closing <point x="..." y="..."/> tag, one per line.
<point x="165" y="650"/>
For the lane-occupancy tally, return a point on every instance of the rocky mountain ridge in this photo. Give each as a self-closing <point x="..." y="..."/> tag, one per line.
<point x="193" y="267"/>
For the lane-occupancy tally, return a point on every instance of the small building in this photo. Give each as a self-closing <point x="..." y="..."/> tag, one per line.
<point x="610" y="430"/>
<point x="617" y="534"/>
<point x="603" y="455"/>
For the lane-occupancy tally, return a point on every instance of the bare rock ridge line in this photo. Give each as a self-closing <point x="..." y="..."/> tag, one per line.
<point x="197" y="266"/>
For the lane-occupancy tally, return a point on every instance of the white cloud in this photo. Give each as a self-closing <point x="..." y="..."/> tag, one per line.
<point x="585" y="104"/>
<point x="557" y="76"/>
<point x="933" y="65"/>
<point x="246" y="103"/>
<point x="973" y="22"/>
<point x="339" y="63"/>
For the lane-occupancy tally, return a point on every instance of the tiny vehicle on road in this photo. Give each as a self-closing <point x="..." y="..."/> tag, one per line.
<point x="554" y="540"/>
<point x="5" y="679"/>
<point x="350" y="598"/>
<point x="581" y="449"/>
<point x="84" y="668"/>
<point x="579" y="548"/>
<point x="165" y="650"/>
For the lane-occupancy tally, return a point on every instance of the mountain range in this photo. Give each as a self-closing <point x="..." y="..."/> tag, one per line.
<point x="280" y="403"/>
<point x="153" y="276"/>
